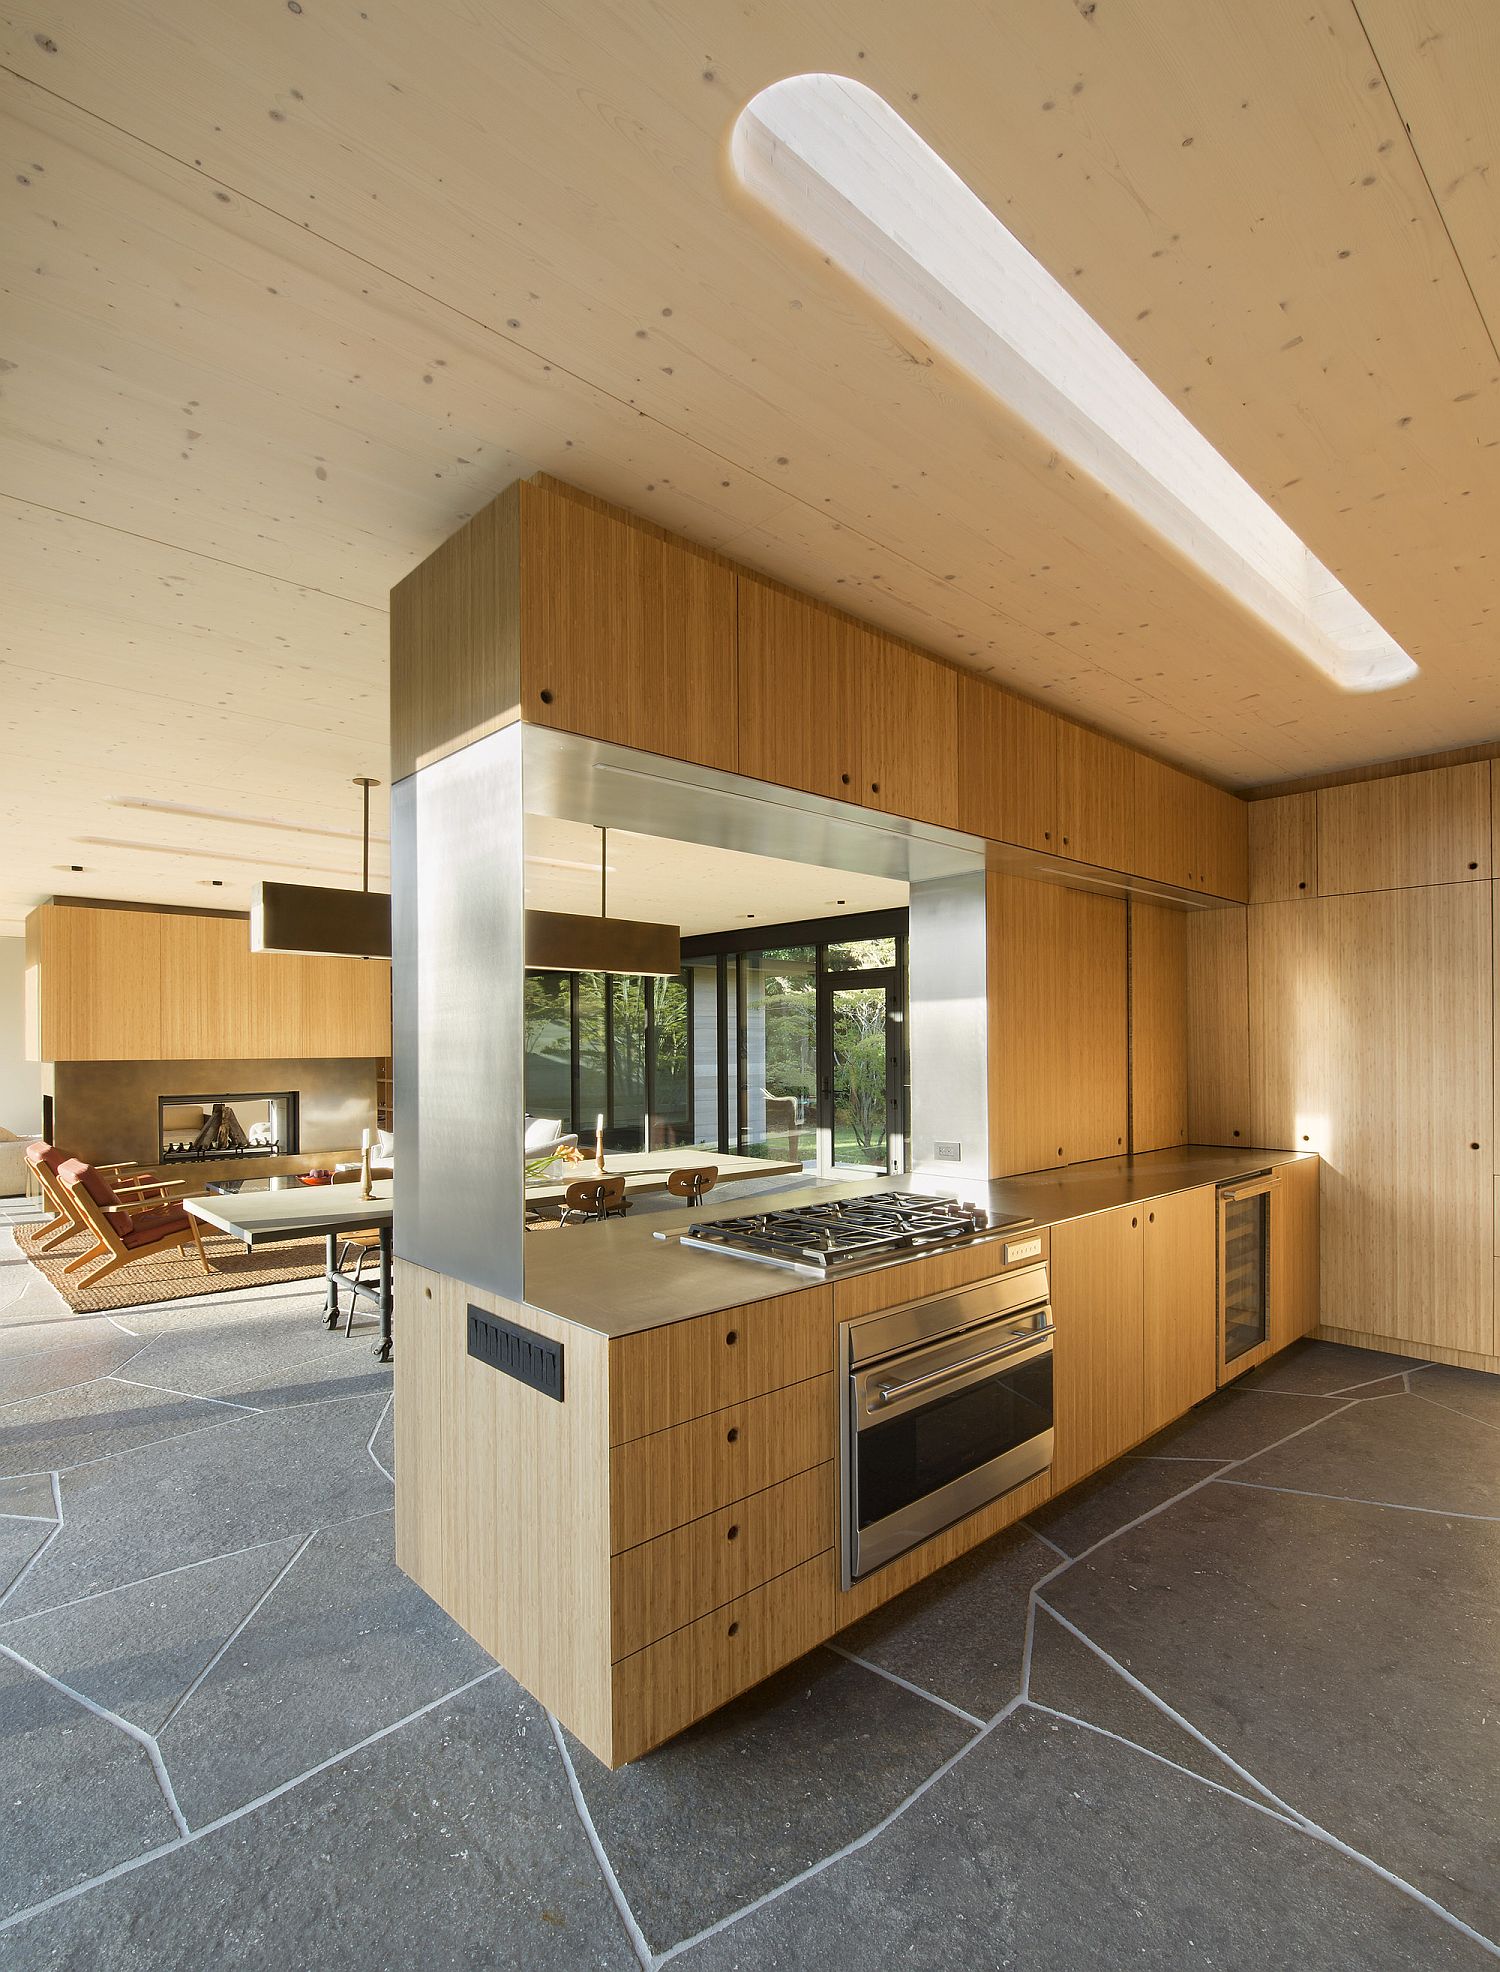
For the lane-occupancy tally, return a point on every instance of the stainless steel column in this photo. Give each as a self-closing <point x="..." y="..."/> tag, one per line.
<point x="948" y="1026"/>
<point x="457" y="909"/>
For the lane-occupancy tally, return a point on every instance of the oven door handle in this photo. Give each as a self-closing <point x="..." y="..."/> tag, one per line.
<point x="892" y="1393"/>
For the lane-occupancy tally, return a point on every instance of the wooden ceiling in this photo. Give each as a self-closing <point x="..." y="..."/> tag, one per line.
<point x="292" y="287"/>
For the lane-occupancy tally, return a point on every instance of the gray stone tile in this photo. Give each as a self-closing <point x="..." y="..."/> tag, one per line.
<point x="1237" y="1423"/>
<point x="962" y="1632"/>
<point x="1122" y="1492"/>
<point x="137" y="1649"/>
<point x="1328" y="1369"/>
<point x="270" y="1352"/>
<point x="40" y="1357"/>
<point x="19" y="1541"/>
<point x="213" y="1492"/>
<point x="1069" y="1677"/>
<point x="1051" y="1847"/>
<point x="1469" y="1391"/>
<point x="762" y="1790"/>
<point x="30" y="1495"/>
<point x="78" y="1795"/>
<point x="71" y="1426"/>
<point x="1403" y="1450"/>
<point x="450" y="1846"/>
<point x="343" y="1646"/>
<point x="383" y="1446"/>
<point x="1347" y="1655"/>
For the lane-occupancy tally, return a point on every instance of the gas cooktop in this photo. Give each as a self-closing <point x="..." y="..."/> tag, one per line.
<point x="835" y="1236"/>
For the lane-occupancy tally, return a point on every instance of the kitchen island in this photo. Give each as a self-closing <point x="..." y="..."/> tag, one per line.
<point x="627" y="1487"/>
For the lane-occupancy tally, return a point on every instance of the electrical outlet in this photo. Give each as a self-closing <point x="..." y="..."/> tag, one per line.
<point x="949" y="1153"/>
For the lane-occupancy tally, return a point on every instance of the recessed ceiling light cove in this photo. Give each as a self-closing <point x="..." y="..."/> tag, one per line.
<point x="837" y="164"/>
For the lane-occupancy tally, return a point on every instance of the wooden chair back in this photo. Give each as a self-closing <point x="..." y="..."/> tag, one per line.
<point x="692" y="1182"/>
<point x="595" y="1198"/>
<point x="66" y="1219"/>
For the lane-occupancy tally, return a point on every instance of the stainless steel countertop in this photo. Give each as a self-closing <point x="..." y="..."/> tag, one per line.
<point x="615" y="1278"/>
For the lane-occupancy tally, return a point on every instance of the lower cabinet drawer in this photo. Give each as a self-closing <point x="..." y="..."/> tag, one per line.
<point x="664" y="1584"/>
<point x="671" y="1477"/>
<point x="660" y="1690"/>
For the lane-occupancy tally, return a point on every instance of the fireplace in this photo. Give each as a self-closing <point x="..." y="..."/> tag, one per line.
<point x="199" y="1129"/>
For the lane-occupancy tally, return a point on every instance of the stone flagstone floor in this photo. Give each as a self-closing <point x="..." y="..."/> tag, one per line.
<point x="1235" y="1702"/>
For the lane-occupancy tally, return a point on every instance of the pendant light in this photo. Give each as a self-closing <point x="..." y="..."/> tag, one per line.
<point x="309" y="917"/>
<point x="561" y="941"/>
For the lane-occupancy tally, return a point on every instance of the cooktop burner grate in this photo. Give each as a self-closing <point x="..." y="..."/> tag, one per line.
<point x="834" y="1235"/>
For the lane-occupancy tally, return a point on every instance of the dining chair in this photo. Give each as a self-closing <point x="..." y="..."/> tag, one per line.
<point x="692" y="1182"/>
<point x="595" y="1198"/>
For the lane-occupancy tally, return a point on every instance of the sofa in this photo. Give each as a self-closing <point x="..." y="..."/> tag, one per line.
<point x="13" y="1166"/>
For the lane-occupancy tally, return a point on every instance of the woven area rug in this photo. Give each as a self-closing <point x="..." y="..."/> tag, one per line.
<point x="173" y="1276"/>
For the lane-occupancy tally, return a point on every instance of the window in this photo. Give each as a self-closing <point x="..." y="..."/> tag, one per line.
<point x="837" y="164"/>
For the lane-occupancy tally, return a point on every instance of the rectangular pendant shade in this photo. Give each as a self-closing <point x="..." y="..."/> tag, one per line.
<point x="306" y="917"/>
<point x="558" y="941"/>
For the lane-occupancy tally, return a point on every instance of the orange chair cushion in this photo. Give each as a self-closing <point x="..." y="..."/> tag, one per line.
<point x="149" y="1227"/>
<point x="42" y="1157"/>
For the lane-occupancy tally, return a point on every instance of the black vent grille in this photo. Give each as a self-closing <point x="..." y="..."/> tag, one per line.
<point x="517" y="1352"/>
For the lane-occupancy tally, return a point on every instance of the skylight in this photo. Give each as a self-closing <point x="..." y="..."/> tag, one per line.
<point x="836" y="163"/>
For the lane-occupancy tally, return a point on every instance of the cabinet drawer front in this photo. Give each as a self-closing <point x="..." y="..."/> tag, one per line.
<point x="664" y="1481"/>
<point x="663" y="1376"/>
<point x="660" y="1690"/>
<point x="665" y="1584"/>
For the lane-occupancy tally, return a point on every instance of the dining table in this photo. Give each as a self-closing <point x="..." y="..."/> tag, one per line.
<point x="327" y="1211"/>
<point x="647" y="1171"/>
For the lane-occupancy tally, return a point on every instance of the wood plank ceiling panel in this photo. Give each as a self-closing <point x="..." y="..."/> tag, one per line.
<point x="380" y="261"/>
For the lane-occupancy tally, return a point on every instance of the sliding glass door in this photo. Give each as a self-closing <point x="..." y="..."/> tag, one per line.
<point x="862" y="1071"/>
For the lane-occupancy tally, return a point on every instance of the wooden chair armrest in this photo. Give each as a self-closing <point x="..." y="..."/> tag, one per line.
<point x="140" y="1205"/>
<point x="146" y="1202"/>
<point x="125" y="1164"/>
<point x="140" y="1178"/>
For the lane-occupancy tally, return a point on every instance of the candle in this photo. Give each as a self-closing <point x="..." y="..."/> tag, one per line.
<point x="366" y="1140"/>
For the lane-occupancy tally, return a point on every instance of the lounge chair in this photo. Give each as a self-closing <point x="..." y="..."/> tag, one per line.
<point x="126" y="1228"/>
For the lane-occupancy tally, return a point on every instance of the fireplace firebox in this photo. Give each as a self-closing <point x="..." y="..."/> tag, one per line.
<point x="199" y="1129"/>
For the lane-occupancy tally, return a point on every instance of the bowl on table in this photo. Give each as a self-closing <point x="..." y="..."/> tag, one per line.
<point x="317" y="1177"/>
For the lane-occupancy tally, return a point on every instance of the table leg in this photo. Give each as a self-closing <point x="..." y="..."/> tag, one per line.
<point x="382" y="1348"/>
<point x="331" y="1307"/>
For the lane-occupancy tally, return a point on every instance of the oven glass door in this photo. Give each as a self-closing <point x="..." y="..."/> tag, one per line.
<point x="925" y="1456"/>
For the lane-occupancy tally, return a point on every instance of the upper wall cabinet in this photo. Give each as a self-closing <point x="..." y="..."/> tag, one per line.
<point x="1283" y="849"/>
<point x="830" y="705"/>
<point x="1029" y="777"/>
<point x="626" y="634"/>
<point x="1059" y="1025"/>
<point x="550" y="606"/>
<point x="1405" y="831"/>
<point x="125" y="985"/>
<point x="1188" y="832"/>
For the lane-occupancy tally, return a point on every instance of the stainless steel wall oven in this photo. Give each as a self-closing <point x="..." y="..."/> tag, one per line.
<point x="945" y="1404"/>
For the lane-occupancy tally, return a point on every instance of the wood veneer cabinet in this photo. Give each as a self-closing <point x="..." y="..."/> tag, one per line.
<point x="1158" y="1026"/>
<point x="1371" y="1033"/>
<point x="1058" y="1053"/>
<point x="1283" y="849"/>
<point x="1027" y="776"/>
<point x="1098" y="1304"/>
<point x="128" y="985"/>
<point x="642" y="1550"/>
<point x="1179" y="1303"/>
<point x="1188" y="832"/>
<point x="635" y="1582"/>
<point x="829" y="704"/>
<point x="1405" y="831"/>
<point x="1134" y="1297"/>
<point x="555" y="608"/>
